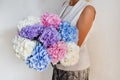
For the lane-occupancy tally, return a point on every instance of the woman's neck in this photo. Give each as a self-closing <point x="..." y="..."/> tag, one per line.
<point x="73" y="2"/>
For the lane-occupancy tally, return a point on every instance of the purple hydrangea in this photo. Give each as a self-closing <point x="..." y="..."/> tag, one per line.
<point x="31" y="32"/>
<point x="49" y="36"/>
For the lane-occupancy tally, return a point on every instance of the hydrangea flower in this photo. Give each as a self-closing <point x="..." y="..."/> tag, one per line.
<point x="50" y="19"/>
<point x="68" y="33"/>
<point x="39" y="59"/>
<point x="45" y="40"/>
<point x="57" y="51"/>
<point x="23" y="47"/>
<point x="31" y="20"/>
<point x="31" y="32"/>
<point x="49" y="36"/>
<point x="72" y="56"/>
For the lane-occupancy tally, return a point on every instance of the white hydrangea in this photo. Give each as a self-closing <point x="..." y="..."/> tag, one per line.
<point x="31" y="20"/>
<point x="72" y="56"/>
<point x="23" y="47"/>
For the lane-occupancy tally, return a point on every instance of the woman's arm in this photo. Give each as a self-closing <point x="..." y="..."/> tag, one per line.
<point x="85" y="22"/>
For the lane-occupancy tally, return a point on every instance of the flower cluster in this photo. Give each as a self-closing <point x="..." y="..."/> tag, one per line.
<point x="68" y="32"/>
<point x="45" y="40"/>
<point x="31" y="20"/>
<point x="49" y="36"/>
<point x="23" y="47"/>
<point x="72" y="56"/>
<point x="39" y="59"/>
<point x="31" y="32"/>
<point x="50" y="19"/>
<point x="57" y="51"/>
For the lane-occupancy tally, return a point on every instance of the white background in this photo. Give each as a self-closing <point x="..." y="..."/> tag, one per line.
<point x="104" y="45"/>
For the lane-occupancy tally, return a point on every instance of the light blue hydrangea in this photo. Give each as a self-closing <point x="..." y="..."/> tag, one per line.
<point x="39" y="59"/>
<point x="68" y="32"/>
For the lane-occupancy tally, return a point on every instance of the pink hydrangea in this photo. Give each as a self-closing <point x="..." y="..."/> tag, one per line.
<point x="57" y="51"/>
<point x="50" y="19"/>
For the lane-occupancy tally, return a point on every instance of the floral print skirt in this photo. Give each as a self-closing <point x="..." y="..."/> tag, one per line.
<point x="70" y="75"/>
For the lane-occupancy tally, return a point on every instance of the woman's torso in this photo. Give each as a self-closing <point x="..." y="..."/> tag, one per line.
<point x="71" y="14"/>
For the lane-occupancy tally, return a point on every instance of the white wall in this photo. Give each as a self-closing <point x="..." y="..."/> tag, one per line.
<point x="104" y="45"/>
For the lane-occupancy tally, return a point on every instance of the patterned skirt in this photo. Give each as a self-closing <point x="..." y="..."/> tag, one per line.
<point x="70" y="75"/>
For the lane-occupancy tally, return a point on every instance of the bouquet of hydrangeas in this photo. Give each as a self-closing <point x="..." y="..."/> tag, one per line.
<point x="45" y="40"/>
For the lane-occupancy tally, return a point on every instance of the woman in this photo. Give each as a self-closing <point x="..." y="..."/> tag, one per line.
<point x="81" y="14"/>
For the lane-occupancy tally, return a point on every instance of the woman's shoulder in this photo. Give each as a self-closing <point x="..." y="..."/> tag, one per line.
<point x="88" y="14"/>
<point x="89" y="9"/>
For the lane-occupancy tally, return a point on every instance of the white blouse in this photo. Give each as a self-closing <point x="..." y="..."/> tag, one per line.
<point x="71" y="14"/>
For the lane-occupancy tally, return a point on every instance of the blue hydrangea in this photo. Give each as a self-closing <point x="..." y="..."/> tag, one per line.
<point x="68" y="32"/>
<point x="39" y="59"/>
